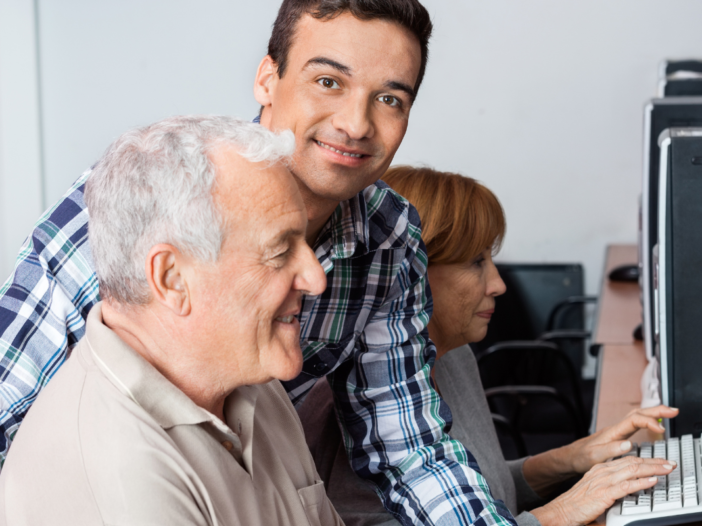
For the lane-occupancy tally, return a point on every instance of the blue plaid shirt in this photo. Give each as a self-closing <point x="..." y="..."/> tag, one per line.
<point x="367" y="331"/>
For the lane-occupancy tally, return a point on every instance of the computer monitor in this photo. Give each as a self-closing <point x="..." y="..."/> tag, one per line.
<point x="688" y="87"/>
<point x="678" y="277"/>
<point x="660" y="114"/>
<point x="668" y="67"/>
<point x="681" y="86"/>
<point x="533" y="291"/>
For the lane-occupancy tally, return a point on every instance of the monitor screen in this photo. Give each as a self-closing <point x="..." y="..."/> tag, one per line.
<point x="660" y="114"/>
<point x="678" y="291"/>
<point x="672" y="66"/>
<point x="682" y="87"/>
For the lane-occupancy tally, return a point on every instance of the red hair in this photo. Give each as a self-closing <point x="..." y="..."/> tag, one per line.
<point x="460" y="217"/>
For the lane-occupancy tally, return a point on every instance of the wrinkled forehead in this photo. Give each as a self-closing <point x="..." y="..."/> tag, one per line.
<point x="256" y="199"/>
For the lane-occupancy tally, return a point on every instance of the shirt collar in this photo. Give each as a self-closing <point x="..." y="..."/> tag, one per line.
<point x="152" y="391"/>
<point x="346" y="233"/>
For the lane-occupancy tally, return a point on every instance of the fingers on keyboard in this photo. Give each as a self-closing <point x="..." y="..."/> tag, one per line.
<point x="669" y="491"/>
<point x="641" y="470"/>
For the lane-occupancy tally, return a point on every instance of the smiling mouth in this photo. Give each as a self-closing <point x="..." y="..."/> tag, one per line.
<point x="285" y="319"/>
<point x="346" y="154"/>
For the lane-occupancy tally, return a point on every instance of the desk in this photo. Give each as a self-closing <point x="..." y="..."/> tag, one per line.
<point x="622" y="359"/>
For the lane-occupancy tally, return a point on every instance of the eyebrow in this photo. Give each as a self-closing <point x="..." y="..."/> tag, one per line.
<point x="324" y="61"/>
<point x="284" y="236"/>
<point x="401" y="86"/>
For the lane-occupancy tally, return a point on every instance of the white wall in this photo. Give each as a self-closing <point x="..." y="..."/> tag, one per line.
<point x="541" y="100"/>
<point x="109" y="66"/>
<point x="20" y="144"/>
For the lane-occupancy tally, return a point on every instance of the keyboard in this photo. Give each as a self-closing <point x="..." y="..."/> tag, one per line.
<point x="676" y="498"/>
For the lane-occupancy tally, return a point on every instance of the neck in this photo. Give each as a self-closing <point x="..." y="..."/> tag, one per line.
<point x="319" y="210"/>
<point x="440" y="341"/>
<point x="315" y="223"/>
<point x="162" y="345"/>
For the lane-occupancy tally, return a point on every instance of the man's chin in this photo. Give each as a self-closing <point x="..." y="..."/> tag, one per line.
<point x="287" y="364"/>
<point x="334" y="183"/>
<point x="285" y="374"/>
<point x="336" y="192"/>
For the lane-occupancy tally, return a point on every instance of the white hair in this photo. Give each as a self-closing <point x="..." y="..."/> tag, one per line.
<point x="154" y="185"/>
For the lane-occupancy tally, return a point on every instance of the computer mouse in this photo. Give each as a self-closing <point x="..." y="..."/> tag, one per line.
<point x="638" y="332"/>
<point x="625" y="273"/>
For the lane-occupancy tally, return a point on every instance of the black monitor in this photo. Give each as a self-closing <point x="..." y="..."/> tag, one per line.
<point x="677" y="277"/>
<point x="668" y="67"/>
<point x="681" y="84"/>
<point x="533" y="291"/>
<point x="660" y="114"/>
<point x="682" y="87"/>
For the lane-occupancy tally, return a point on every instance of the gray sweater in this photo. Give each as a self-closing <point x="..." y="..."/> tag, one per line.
<point x="458" y="379"/>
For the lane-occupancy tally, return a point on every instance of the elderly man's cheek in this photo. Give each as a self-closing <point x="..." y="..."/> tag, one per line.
<point x="283" y="357"/>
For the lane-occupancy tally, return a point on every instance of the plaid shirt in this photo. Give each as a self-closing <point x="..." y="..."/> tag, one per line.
<point x="367" y="331"/>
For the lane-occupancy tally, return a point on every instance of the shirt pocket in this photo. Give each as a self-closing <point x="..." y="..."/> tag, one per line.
<point x="322" y="357"/>
<point x="317" y="506"/>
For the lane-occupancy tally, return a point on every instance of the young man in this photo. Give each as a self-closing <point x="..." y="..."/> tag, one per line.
<point x="342" y="75"/>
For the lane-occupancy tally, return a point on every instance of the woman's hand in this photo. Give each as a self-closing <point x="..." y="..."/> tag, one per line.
<point x="543" y="471"/>
<point x="600" y="488"/>
<point x="612" y="441"/>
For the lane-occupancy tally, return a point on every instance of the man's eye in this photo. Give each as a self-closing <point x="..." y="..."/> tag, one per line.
<point x="389" y="100"/>
<point x="279" y="259"/>
<point x="328" y="83"/>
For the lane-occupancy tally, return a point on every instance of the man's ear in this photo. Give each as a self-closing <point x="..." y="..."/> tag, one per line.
<point x="167" y="283"/>
<point x="266" y="81"/>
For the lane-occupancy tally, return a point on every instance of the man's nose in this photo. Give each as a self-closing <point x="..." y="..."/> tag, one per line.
<point x="354" y="118"/>
<point x="311" y="279"/>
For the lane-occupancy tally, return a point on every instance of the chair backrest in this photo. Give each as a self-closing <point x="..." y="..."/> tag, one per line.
<point x="533" y="292"/>
<point x="511" y="440"/>
<point x="531" y="363"/>
<point x="536" y="409"/>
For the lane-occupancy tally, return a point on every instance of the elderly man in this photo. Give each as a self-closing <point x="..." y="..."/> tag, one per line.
<point x="168" y="411"/>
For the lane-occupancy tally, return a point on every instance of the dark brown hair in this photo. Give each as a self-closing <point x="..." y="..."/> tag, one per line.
<point x="410" y="14"/>
<point x="460" y="217"/>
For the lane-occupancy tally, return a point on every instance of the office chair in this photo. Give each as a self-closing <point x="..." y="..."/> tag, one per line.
<point x="542" y="302"/>
<point x="534" y="386"/>
<point x="511" y="440"/>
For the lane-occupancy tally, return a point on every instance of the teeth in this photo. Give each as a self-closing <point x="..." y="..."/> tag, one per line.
<point x="286" y="319"/>
<point x="357" y="155"/>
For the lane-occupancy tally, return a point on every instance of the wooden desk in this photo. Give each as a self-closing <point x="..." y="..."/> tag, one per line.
<point x="622" y="359"/>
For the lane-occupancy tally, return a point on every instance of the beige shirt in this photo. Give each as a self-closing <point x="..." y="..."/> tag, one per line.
<point x="110" y="441"/>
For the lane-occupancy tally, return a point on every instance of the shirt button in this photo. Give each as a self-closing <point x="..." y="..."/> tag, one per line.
<point x="320" y="366"/>
<point x="228" y="445"/>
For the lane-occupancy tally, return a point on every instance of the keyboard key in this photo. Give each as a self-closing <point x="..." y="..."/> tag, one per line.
<point x="646" y="450"/>
<point x="666" y="505"/>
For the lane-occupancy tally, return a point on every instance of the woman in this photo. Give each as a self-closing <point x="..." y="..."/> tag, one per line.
<point x="462" y="225"/>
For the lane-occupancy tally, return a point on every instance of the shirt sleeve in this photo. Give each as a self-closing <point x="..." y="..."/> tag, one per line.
<point x="526" y="496"/>
<point x="43" y="306"/>
<point x="527" y="519"/>
<point x="395" y="423"/>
